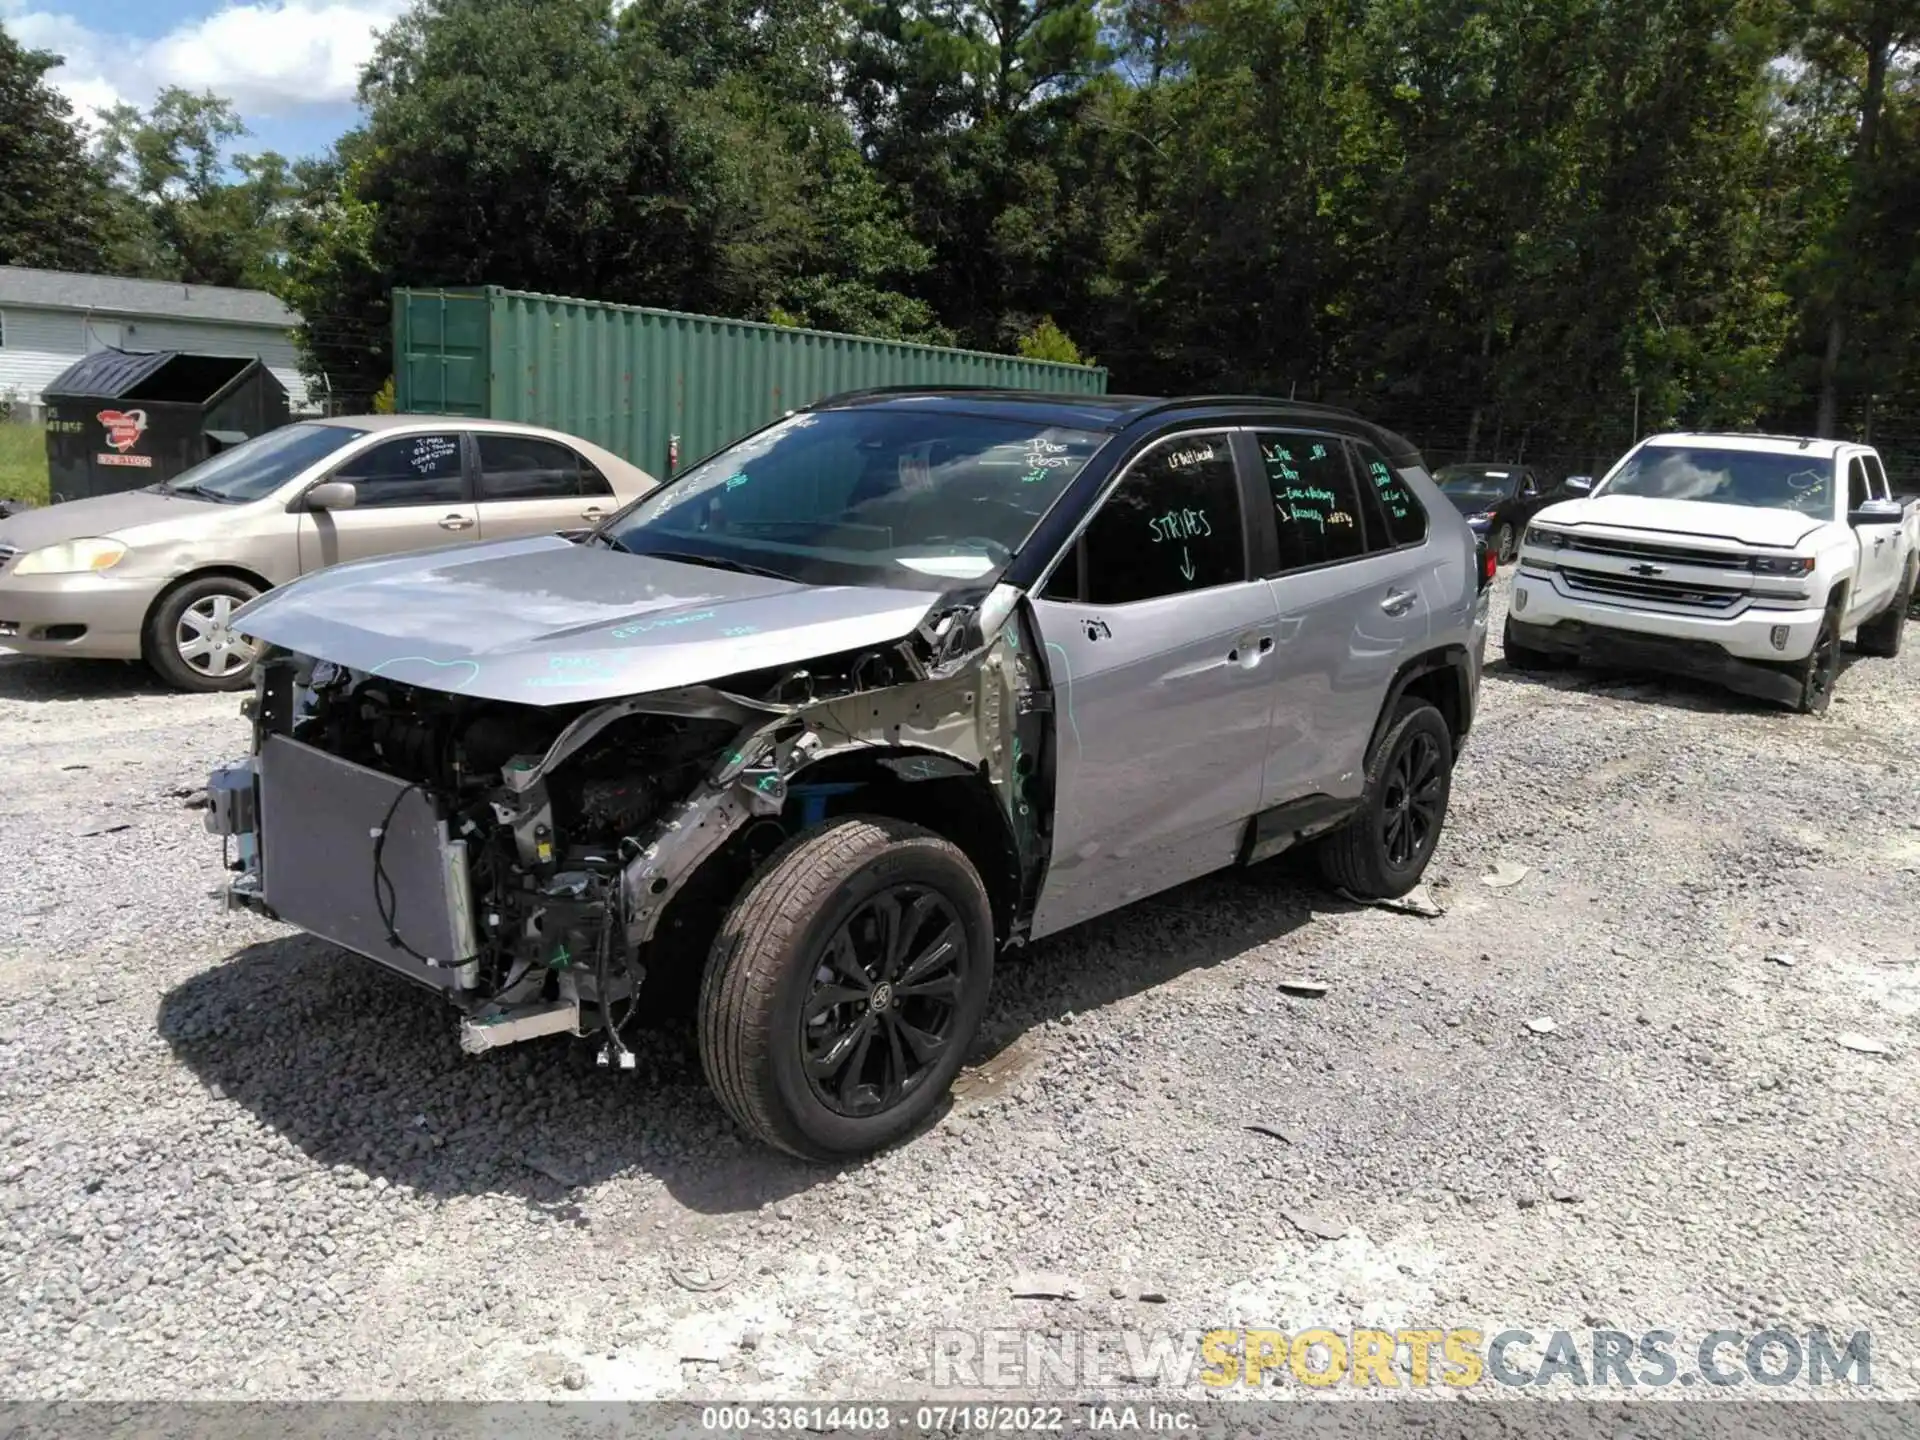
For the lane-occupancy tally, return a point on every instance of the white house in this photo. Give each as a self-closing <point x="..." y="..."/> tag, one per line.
<point x="49" y="319"/>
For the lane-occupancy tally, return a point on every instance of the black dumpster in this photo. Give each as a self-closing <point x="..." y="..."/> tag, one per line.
<point x="118" y="420"/>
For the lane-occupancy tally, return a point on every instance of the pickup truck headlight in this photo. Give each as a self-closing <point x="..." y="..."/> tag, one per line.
<point x="1540" y="535"/>
<point x="1782" y="564"/>
<point x="71" y="557"/>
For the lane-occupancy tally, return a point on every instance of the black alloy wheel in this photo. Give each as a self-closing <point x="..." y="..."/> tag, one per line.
<point x="880" y="1013"/>
<point x="1822" y="668"/>
<point x="1412" y="799"/>
<point x="1505" y="550"/>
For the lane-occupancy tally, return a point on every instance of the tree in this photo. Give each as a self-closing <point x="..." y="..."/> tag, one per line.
<point x="53" y="197"/>
<point x="1860" y="42"/>
<point x="181" y="216"/>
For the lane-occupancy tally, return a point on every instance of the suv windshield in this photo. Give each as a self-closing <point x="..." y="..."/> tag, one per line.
<point x="255" y="468"/>
<point x="1726" y="477"/>
<point x="911" y="498"/>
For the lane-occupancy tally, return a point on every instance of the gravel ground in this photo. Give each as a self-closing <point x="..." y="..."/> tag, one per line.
<point x="234" y="1161"/>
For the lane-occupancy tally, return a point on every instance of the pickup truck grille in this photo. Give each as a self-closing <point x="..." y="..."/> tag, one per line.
<point x="1664" y="554"/>
<point x="1603" y="586"/>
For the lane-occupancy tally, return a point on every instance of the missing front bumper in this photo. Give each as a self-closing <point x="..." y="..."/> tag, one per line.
<point x="1671" y="655"/>
<point x="351" y="855"/>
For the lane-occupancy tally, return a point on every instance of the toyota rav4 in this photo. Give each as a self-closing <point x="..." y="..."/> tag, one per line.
<point x="822" y="725"/>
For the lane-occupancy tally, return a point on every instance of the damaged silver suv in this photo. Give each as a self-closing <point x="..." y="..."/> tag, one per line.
<point x="826" y="722"/>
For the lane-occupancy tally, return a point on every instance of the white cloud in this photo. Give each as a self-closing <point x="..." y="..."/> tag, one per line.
<point x="267" y="58"/>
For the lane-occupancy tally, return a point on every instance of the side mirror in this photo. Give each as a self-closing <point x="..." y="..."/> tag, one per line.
<point x="1877" y="512"/>
<point x="332" y="495"/>
<point x="1579" y="484"/>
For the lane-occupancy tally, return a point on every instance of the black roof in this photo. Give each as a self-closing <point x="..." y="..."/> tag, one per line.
<point x="1118" y="412"/>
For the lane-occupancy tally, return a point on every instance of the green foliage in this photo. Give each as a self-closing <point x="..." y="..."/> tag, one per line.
<point x="1047" y="341"/>
<point x="54" y="204"/>
<point x="23" y="462"/>
<point x="1493" y="223"/>
<point x="185" y="208"/>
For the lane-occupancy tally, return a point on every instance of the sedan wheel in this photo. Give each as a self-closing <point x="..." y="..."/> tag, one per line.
<point x="190" y="639"/>
<point x="207" y="644"/>
<point x="1503" y="545"/>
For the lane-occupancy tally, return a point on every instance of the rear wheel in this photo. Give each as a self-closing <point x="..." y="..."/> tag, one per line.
<point x="1383" y="848"/>
<point x="844" y="987"/>
<point x="189" y="641"/>
<point x="1883" y="634"/>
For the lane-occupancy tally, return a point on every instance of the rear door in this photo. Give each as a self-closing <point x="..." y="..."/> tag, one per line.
<point x="1348" y="599"/>
<point x="530" y="485"/>
<point x="1159" y="642"/>
<point x="411" y="494"/>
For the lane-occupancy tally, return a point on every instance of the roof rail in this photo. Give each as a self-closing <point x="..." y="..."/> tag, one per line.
<point x="872" y="390"/>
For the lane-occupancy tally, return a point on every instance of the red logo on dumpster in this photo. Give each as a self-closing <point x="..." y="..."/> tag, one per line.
<point x="124" y="427"/>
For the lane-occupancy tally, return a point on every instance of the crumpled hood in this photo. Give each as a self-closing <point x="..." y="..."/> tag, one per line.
<point x="542" y="621"/>
<point x="1743" y="524"/>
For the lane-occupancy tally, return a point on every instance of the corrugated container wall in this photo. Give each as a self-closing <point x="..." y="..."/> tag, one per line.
<point x="631" y="378"/>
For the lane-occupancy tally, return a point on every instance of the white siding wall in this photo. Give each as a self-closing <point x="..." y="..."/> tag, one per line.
<point x="36" y="345"/>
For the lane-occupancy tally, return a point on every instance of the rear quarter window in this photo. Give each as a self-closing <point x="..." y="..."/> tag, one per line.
<point x="1402" y="518"/>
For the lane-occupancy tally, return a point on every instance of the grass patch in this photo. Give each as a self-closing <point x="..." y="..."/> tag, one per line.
<point x="23" y="463"/>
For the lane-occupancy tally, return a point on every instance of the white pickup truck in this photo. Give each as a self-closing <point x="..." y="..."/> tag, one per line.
<point x="1742" y="559"/>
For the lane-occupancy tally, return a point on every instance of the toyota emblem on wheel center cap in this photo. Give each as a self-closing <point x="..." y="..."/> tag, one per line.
<point x="882" y="996"/>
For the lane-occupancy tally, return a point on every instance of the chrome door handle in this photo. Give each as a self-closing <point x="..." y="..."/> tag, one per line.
<point x="592" y="512"/>
<point x="1398" y="602"/>
<point x="455" y="522"/>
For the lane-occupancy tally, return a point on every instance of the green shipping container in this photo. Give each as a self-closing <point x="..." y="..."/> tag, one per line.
<point x="630" y="379"/>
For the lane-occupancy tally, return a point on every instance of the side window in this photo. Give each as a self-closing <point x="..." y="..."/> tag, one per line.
<point x="524" y="467"/>
<point x="412" y="470"/>
<point x="1173" y="524"/>
<point x="1877" y="479"/>
<point x="1858" y="492"/>
<point x="1401" y="516"/>
<point x="592" y="482"/>
<point x="1529" y="485"/>
<point x="1316" y="510"/>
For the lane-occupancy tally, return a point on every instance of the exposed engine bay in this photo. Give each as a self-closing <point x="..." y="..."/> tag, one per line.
<point x="559" y="867"/>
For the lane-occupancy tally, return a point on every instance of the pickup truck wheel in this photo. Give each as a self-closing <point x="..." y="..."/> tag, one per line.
<point x="1383" y="848"/>
<point x="844" y="987"/>
<point x="1525" y="658"/>
<point x="188" y="642"/>
<point x="1820" y="669"/>
<point x="1882" y="634"/>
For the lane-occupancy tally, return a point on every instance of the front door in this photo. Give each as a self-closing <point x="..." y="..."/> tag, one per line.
<point x="1879" y="572"/>
<point x="1160" y="646"/>
<point x="411" y="494"/>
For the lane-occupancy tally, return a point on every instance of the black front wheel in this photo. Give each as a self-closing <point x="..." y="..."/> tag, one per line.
<point x="1820" y="669"/>
<point x="1504" y="549"/>
<point x="845" y="985"/>
<point x="1382" y="850"/>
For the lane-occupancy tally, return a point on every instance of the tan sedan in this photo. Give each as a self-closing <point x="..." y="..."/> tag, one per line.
<point x="156" y="574"/>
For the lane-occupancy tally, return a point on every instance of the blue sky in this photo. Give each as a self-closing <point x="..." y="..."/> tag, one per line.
<point x="288" y="65"/>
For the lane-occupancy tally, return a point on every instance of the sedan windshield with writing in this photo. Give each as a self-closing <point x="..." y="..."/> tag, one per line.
<point x="255" y="468"/>
<point x="1727" y="477"/>
<point x="919" y="499"/>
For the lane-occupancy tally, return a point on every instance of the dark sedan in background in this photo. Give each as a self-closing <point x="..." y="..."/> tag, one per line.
<point x="1497" y="501"/>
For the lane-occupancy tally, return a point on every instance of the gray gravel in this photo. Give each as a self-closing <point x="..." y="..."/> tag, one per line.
<point x="236" y="1162"/>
